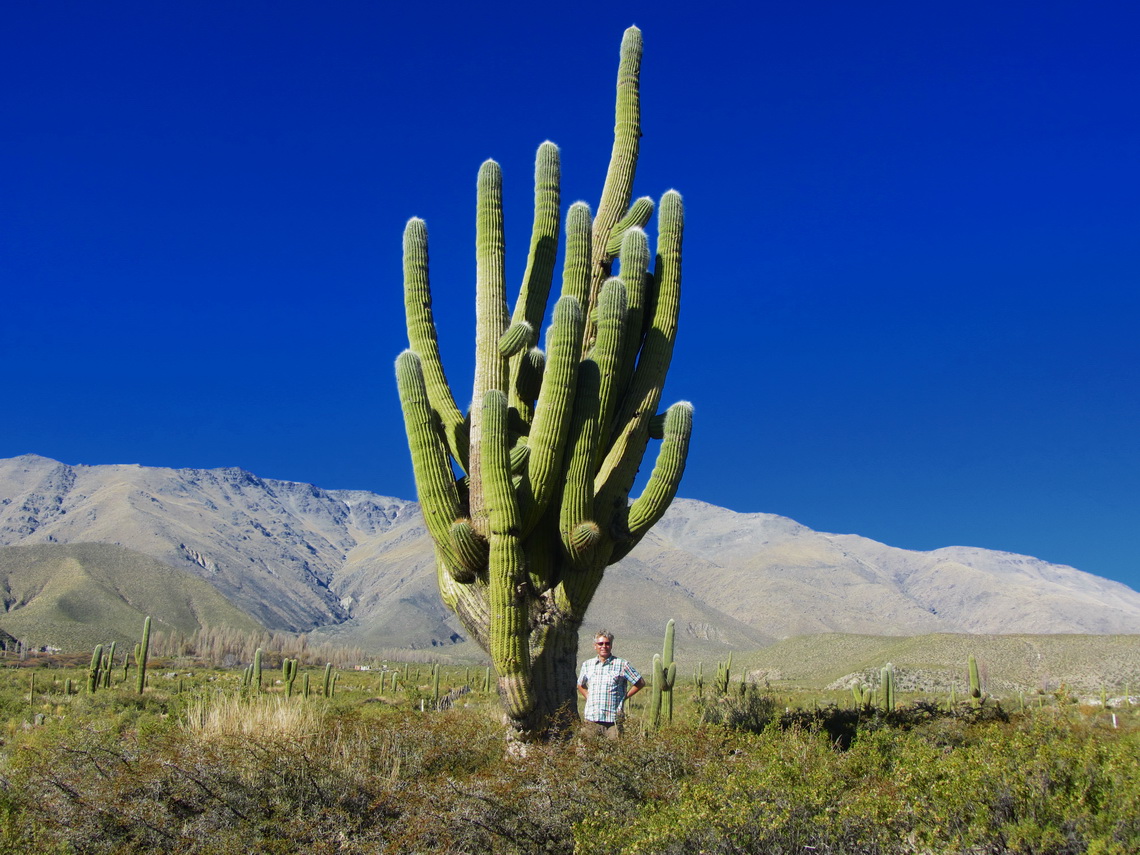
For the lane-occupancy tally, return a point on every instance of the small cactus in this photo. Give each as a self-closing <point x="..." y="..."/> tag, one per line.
<point x="723" y="675"/>
<point x="93" y="673"/>
<point x="288" y="675"/>
<point x="326" y="688"/>
<point x="109" y="665"/>
<point x="664" y="676"/>
<point x="976" y="693"/>
<point x="256" y="676"/>
<point x="142" y="651"/>
<point x="887" y="686"/>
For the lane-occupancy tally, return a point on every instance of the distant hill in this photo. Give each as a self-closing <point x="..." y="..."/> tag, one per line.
<point x="75" y="596"/>
<point x="359" y="567"/>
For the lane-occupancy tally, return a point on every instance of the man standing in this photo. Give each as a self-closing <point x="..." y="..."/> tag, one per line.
<point x="605" y="682"/>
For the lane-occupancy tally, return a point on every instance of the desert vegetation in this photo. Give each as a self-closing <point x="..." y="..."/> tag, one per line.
<point x="412" y="757"/>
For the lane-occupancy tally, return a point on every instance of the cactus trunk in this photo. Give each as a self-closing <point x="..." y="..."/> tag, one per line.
<point x="554" y="438"/>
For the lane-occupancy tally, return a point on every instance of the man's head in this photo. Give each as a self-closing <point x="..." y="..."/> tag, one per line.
<point x="604" y="644"/>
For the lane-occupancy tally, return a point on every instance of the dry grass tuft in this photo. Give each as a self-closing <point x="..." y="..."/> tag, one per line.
<point x="266" y="716"/>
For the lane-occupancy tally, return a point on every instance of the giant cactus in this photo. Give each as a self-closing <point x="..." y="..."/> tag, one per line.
<point x="552" y="443"/>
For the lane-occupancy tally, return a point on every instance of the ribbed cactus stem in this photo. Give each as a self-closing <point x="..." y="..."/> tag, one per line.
<point x="93" y="673"/>
<point x="618" y="188"/>
<point x="517" y="338"/>
<point x="142" y="653"/>
<point x="639" y="213"/>
<point x="257" y="655"/>
<point x="976" y="694"/>
<point x="887" y="686"/>
<point x="669" y="667"/>
<point x="109" y="665"/>
<point x="423" y="340"/>
<point x="288" y="675"/>
<point x="326" y="687"/>
<point x="657" y="688"/>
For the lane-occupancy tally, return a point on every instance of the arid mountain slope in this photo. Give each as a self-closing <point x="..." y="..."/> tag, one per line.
<point x="298" y="557"/>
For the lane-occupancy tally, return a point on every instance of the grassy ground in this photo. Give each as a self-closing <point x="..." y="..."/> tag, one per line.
<point x="199" y="765"/>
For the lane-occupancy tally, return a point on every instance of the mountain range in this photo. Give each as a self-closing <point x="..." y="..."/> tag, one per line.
<point x="358" y="567"/>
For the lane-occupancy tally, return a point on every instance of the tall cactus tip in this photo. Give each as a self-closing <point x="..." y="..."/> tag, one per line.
<point x="408" y="359"/>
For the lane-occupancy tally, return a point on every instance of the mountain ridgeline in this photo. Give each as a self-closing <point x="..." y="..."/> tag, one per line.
<point x="295" y="557"/>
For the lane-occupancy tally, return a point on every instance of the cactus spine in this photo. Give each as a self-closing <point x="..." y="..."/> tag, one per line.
<point x="142" y="651"/>
<point x="554" y="438"/>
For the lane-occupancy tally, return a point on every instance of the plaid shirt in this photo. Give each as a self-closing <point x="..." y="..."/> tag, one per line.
<point x="606" y="684"/>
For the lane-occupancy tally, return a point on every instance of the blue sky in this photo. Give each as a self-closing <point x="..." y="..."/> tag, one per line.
<point x="911" y="261"/>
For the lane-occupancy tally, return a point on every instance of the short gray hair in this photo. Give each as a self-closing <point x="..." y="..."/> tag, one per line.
<point x="606" y="634"/>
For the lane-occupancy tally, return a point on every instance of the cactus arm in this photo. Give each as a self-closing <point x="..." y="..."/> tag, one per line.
<point x="551" y="425"/>
<point x="577" y="491"/>
<point x="531" y="305"/>
<point x="576" y="263"/>
<point x="423" y="338"/>
<point x="619" y="469"/>
<point x="618" y="187"/>
<point x="612" y="313"/>
<point x="638" y="215"/>
<point x="634" y="273"/>
<point x="516" y="339"/>
<point x="438" y="495"/>
<point x="662" y="486"/>
<point x="490" y="324"/>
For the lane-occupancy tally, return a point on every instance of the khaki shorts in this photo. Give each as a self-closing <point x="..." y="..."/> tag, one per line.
<point x="608" y="730"/>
